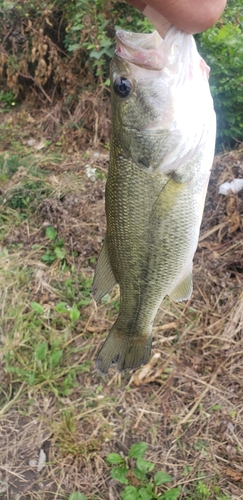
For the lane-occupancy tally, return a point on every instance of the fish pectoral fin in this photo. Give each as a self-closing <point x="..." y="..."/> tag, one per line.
<point x="124" y="351"/>
<point x="166" y="200"/>
<point x="183" y="290"/>
<point x="104" y="279"/>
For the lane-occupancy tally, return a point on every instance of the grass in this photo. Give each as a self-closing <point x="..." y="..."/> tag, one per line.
<point x="185" y="405"/>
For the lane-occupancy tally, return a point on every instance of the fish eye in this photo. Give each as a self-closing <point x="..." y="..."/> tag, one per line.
<point x="122" y="86"/>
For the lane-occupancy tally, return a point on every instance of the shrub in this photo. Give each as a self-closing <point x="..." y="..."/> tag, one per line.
<point x="31" y="40"/>
<point x="222" y="48"/>
<point x="61" y="49"/>
<point x="48" y="46"/>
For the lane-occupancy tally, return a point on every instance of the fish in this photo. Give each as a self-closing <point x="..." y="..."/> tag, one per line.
<point x="161" y="153"/>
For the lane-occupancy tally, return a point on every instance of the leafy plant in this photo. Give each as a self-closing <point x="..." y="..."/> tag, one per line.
<point x="201" y="491"/>
<point x="92" y="28"/>
<point x="221" y="46"/>
<point x="77" y="496"/>
<point x="55" y="251"/>
<point x="7" y="100"/>
<point x="35" y="58"/>
<point x="134" y="472"/>
<point x="47" y="364"/>
<point x="134" y="469"/>
<point x="42" y="34"/>
<point x="88" y="33"/>
<point x="78" y="289"/>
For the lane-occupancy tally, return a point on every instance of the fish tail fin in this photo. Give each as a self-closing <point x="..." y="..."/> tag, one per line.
<point x="124" y="351"/>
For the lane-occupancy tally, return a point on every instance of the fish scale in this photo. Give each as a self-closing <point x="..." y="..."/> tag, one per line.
<point x="140" y="250"/>
<point x="155" y="192"/>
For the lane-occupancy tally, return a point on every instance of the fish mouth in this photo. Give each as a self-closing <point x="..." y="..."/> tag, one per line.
<point x="151" y="51"/>
<point x="142" y="49"/>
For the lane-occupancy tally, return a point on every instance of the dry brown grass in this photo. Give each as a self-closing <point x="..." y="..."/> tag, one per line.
<point x="187" y="404"/>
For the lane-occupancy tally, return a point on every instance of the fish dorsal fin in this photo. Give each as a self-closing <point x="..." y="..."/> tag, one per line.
<point x="183" y="290"/>
<point x="104" y="279"/>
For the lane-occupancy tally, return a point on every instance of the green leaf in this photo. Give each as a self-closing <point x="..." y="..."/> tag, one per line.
<point x="139" y="474"/>
<point x="41" y="351"/>
<point x="144" y="465"/>
<point x="37" y="307"/>
<point x="85" y="302"/>
<point x="114" y="458"/>
<point x="119" y="474"/>
<point x="172" y="494"/>
<point x="60" y="253"/>
<point x="74" y="47"/>
<point x="106" y="83"/>
<point x="61" y="307"/>
<point x="161" y="477"/>
<point x="31" y="379"/>
<point x="51" y="233"/>
<point x="200" y="445"/>
<point x="130" y="493"/>
<point x="97" y="54"/>
<point x="48" y="257"/>
<point x="137" y="450"/>
<point x="74" y="314"/>
<point x="146" y="494"/>
<point x="215" y="407"/>
<point x="56" y="356"/>
<point x="77" y="496"/>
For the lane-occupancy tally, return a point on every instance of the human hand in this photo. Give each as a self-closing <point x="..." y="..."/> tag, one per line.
<point x="192" y="16"/>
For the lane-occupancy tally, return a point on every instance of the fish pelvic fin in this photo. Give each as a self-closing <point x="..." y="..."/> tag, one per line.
<point x="183" y="290"/>
<point x="104" y="279"/>
<point x="124" y="351"/>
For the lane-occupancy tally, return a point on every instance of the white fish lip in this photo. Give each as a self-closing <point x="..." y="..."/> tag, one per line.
<point x="144" y="50"/>
<point x="150" y="51"/>
<point x="143" y="41"/>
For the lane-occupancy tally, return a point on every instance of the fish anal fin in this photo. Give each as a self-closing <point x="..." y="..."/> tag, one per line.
<point x="124" y="351"/>
<point x="104" y="279"/>
<point x="183" y="290"/>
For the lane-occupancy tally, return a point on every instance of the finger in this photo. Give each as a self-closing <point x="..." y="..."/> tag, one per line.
<point x="138" y="4"/>
<point x="159" y="22"/>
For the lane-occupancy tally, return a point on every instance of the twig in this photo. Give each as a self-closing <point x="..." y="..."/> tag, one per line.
<point x="13" y="473"/>
<point x="198" y="401"/>
<point x="7" y="35"/>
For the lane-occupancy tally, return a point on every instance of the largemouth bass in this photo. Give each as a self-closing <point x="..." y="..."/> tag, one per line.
<point x="162" y="148"/>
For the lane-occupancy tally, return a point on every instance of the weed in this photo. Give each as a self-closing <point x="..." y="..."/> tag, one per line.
<point x="77" y="496"/>
<point x="200" y="445"/>
<point x="78" y="289"/>
<point x="49" y="333"/>
<point x="141" y="485"/>
<point x="186" y="470"/>
<point x="63" y="307"/>
<point x="69" y="440"/>
<point x="7" y="100"/>
<point x="135" y="472"/>
<point x="9" y="164"/>
<point x="26" y="194"/>
<point x="55" y="251"/>
<point x="201" y="491"/>
<point x="36" y="354"/>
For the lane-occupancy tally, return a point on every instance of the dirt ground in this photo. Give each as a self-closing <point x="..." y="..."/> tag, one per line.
<point x="187" y="403"/>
